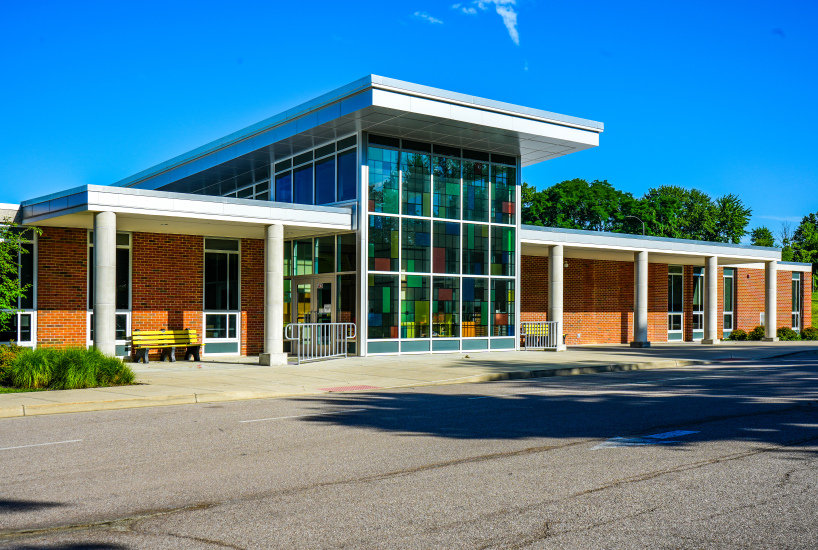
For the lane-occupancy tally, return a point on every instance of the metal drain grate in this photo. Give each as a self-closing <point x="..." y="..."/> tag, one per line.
<point x="349" y="388"/>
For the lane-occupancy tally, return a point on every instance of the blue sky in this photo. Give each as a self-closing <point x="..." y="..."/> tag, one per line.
<point x="714" y="95"/>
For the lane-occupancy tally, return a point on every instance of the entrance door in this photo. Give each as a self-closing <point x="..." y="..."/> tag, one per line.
<point x="675" y="303"/>
<point x="314" y="300"/>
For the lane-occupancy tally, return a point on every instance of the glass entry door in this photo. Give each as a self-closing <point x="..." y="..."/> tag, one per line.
<point x="314" y="300"/>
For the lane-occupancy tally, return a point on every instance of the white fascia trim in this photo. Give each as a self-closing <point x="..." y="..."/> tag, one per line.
<point x="514" y="114"/>
<point x="692" y="251"/>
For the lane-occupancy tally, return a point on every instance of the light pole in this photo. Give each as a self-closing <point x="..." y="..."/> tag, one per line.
<point x="640" y="219"/>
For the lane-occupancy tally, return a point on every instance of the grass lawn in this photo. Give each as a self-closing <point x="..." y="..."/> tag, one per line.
<point x="4" y="389"/>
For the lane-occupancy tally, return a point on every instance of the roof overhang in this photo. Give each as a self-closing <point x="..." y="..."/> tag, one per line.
<point x="160" y="212"/>
<point x="391" y="107"/>
<point x="620" y="247"/>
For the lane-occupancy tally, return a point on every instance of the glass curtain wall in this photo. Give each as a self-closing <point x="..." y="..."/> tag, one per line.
<point x="21" y="326"/>
<point x="442" y="225"/>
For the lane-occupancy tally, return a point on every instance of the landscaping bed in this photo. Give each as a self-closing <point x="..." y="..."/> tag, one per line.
<point x="26" y="369"/>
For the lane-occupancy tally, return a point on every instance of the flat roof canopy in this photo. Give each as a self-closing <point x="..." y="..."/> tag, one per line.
<point x="620" y="247"/>
<point x="390" y="107"/>
<point x="180" y="213"/>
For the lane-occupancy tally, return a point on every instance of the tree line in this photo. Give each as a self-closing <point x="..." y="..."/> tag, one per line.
<point x="664" y="211"/>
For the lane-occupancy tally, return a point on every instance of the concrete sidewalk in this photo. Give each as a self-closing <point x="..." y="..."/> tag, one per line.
<point x="242" y="378"/>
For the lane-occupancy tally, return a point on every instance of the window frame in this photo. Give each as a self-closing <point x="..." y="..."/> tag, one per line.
<point x="227" y="313"/>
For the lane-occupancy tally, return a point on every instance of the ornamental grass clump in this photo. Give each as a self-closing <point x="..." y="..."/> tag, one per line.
<point x="67" y="369"/>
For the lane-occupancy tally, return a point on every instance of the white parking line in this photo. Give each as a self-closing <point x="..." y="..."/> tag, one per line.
<point x="40" y="444"/>
<point x="301" y="415"/>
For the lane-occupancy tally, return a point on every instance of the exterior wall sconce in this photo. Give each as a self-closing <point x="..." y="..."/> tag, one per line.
<point x="565" y="263"/>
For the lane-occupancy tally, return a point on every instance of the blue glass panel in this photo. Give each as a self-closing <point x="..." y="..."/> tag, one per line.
<point x="325" y="181"/>
<point x="302" y="185"/>
<point x="346" y="176"/>
<point x="284" y="187"/>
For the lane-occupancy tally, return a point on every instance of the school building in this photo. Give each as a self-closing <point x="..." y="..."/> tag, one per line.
<point x="385" y="204"/>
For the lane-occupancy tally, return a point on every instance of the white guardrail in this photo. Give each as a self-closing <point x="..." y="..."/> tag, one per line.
<point x="540" y="335"/>
<point x="314" y="341"/>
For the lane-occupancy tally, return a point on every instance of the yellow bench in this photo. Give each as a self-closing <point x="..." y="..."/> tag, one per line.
<point x="165" y="340"/>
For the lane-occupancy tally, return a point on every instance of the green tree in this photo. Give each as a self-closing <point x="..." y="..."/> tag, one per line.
<point x="732" y="218"/>
<point x="762" y="236"/>
<point x="577" y="204"/>
<point x="12" y="241"/>
<point x="805" y="241"/>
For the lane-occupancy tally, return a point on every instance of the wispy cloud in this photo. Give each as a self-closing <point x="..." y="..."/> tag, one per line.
<point x="504" y="8"/>
<point x="792" y="219"/>
<point x="428" y="18"/>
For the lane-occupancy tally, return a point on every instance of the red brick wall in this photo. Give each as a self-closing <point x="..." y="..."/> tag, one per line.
<point x="784" y="301"/>
<point x="166" y="282"/>
<point x="750" y="291"/>
<point x="252" y="296"/>
<point x="597" y="299"/>
<point x="62" y="271"/>
<point x="807" y="300"/>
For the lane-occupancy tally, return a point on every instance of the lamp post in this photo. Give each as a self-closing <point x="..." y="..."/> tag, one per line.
<point x="640" y="219"/>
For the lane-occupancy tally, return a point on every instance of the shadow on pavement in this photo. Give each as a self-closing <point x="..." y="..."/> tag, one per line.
<point x="9" y="506"/>
<point x="615" y="406"/>
<point x="74" y="546"/>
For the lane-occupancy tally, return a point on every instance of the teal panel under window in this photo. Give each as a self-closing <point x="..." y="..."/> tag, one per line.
<point x="504" y="343"/>
<point x="446" y="345"/>
<point x="421" y="345"/>
<point x="698" y="334"/>
<point x="221" y="347"/>
<point x="677" y="337"/>
<point x="122" y="351"/>
<point x="475" y="345"/>
<point x="382" y="347"/>
<point x="726" y="334"/>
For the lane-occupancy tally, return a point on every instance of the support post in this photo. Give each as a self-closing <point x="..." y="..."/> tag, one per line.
<point x="105" y="282"/>
<point x="273" y="297"/>
<point x="711" y="301"/>
<point x="640" y="301"/>
<point x="556" y="259"/>
<point x="770" y="301"/>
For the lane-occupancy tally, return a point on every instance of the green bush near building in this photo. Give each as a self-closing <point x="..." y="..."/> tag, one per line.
<point x="65" y="369"/>
<point x="756" y="334"/>
<point x="786" y="334"/>
<point x="809" y="333"/>
<point x="738" y="335"/>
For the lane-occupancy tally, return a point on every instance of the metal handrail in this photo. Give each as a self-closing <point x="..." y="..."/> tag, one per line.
<point x="540" y="334"/>
<point x="315" y="341"/>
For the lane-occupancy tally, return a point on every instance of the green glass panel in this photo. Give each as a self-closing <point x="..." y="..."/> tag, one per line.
<point x="503" y="343"/>
<point x="383" y="306"/>
<point x="475" y="191"/>
<point x="475" y="249"/>
<point x="408" y="347"/>
<point x="475" y="294"/>
<point x="383" y="180"/>
<point x="415" y="303"/>
<point x="446" y="307"/>
<point x="446" y="183"/>
<point x="325" y="254"/>
<point x="417" y="246"/>
<point x="446" y="250"/>
<point x="502" y="301"/>
<point x="303" y="257"/>
<point x="288" y="301"/>
<point x="417" y="180"/>
<point x="347" y="252"/>
<point x="382" y="347"/>
<point x="383" y="243"/>
<point x="221" y="347"/>
<point x="502" y="251"/>
<point x="288" y="258"/>
<point x="503" y="194"/>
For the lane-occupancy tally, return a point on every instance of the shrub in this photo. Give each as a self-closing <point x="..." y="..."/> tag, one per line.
<point x="738" y="335"/>
<point x="809" y="333"/>
<point x="67" y="369"/>
<point x="787" y="334"/>
<point x="7" y="355"/>
<point x="756" y="334"/>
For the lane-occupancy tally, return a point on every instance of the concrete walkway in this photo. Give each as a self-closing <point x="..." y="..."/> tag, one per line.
<point x="235" y="378"/>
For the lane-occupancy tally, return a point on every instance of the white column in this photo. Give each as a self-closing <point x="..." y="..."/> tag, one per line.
<point x="711" y="300"/>
<point x="556" y="259"/>
<point x="105" y="282"/>
<point x="640" y="300"/>
<point x="770" y="301"/>
<point x="273" y="297"/>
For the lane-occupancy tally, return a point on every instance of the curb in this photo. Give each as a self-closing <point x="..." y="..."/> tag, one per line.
<point x="216" y="397"/>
